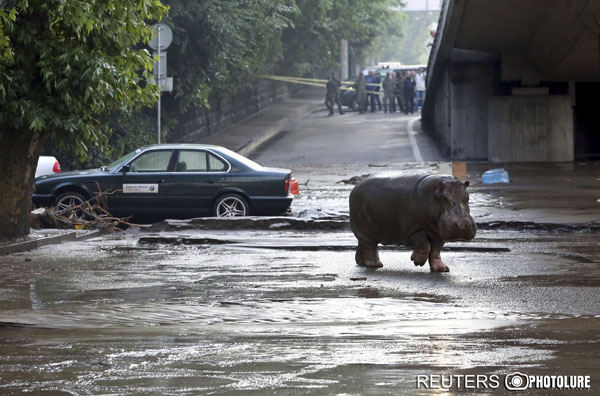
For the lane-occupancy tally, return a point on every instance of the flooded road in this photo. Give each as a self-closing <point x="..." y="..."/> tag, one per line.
<point x="231" y="312"/>
<point x="278" y="306"/>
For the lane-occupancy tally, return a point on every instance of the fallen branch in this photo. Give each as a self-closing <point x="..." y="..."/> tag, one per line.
<point x="91" y="214"/>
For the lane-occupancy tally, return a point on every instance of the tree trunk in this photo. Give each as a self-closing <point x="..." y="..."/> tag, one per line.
<point x="19" y="153"/>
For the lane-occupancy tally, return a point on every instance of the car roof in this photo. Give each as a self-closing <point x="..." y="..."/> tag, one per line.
<point x="181" y="146"/>
<point x="410" y="67"/>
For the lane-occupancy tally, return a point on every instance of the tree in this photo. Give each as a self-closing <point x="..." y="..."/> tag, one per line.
<point x="410" y="47"/>
<point x="220" y="46"/>
<point x="69" y="62"/>
<point x="311" y="44"/>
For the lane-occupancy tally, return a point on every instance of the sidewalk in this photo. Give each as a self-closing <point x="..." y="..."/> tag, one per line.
<point x="246" y="136"/>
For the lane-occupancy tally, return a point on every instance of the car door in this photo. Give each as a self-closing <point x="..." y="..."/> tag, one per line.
<point x="141" y="186"/>
<point x="198" y="176"/>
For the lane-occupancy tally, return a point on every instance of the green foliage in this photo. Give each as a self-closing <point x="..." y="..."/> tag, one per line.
<point x="126" y="133"/>
<point x="312" y="43"/>
<point x="220" y="46"/>
<point x="71" y="62"/>
<point x="4" y="40"/>
<point x="410" y="47"/>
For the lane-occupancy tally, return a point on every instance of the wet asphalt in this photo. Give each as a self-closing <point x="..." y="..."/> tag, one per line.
<point x="187" y="308"/>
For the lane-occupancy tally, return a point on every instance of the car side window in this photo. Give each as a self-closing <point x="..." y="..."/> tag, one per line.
<point x="153" y="161"/>
<point x="192" y="161"/>
<point x="216" y="164"/>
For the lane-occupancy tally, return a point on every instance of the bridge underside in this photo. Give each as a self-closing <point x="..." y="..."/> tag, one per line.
<point x="516" y="80"/>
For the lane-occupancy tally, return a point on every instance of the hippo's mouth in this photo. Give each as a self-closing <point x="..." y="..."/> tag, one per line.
<point x="454" y="232"/>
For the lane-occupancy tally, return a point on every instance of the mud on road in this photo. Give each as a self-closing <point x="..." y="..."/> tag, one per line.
<point x="273" y="312"/>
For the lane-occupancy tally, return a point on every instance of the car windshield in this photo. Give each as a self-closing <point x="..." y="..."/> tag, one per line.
<point x="241" y="159"/>
<point x="124" y="158"/>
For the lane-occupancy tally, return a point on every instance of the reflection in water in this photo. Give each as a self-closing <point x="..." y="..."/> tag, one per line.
<point x="36" y="304"/>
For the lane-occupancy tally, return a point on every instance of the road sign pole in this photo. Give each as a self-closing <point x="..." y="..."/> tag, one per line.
<point x="161" y="43"/>
<point x="158" y="82"/>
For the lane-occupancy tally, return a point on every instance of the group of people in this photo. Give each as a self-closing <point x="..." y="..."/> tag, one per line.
<point x="406" y="89"/>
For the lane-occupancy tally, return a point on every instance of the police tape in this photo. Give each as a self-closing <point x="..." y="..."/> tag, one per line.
<point x="301" y="79"/>
<point x="314" y="82"/>
<point x="295" y="80"/>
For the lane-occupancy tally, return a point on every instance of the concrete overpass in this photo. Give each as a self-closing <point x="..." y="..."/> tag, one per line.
<point x="516" y="80"/>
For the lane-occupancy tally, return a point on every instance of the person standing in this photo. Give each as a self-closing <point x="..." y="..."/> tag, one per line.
<point x="372" y="85"/>
<point x="388" y="94"/>
<point x="377" y="89"/>
<point x="398" y="90"/>
<point x="337" y="84"/>
<point x="360" y="87"/>
<point x="409" y="93"/>
<point x="330" y="95"/>
<point x="419" y="89"/>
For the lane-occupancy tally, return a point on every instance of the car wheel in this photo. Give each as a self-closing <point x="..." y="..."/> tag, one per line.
<point x="231" y="205"/>
<point x="69" y="199"/>
<point x="354" y="105"/>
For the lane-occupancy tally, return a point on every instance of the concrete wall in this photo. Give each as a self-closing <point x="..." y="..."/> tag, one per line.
<point x="530" y="129"/>
<point x="536" y="48"/>
<point x="201" y="122"/>
<point x="456" y="117"/>
<point x="471" y="86"/>
<point x="437" y="120"/>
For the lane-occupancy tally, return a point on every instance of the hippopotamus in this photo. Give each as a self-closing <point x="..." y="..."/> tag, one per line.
<point x="418" y="211"/>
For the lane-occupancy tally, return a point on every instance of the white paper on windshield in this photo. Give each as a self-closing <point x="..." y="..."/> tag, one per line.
<point x="140" y="188"/>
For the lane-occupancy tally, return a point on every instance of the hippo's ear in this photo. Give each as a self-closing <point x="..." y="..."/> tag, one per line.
<point x="466" y="183"/>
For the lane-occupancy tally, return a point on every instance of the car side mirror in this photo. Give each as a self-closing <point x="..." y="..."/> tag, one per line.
<point x="125" y="169"/>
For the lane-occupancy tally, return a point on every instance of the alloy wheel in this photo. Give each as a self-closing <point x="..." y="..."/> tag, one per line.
<point x="231" y="206"/>
<point x="65" y="201"/>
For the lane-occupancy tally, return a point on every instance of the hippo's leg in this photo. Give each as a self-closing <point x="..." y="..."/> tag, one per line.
<point x="435" y="260"/>
<point x="367" y="254"/>
<point x="421" y="246"/>
<point x="360" y="253"/>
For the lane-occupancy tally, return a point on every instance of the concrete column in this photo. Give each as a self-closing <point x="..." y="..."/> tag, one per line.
<point x="471" y="86"/>
<point x="344" y="59"/>
<point x="530" y="129"/>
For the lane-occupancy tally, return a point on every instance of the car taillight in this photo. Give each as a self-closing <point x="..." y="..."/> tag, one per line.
<point x="56" y="167"/>
<point x="286" y="187"/>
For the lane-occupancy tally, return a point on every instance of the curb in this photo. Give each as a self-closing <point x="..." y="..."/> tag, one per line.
<point x="22" y="246"/>
<point x="271" y="132"/>
<point x="261" y="139"/>
<point x="37" y="242"/>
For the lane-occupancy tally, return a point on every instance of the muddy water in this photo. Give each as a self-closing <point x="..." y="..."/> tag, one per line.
<point x="541" y="193"/>
<point x="112" y="316"/>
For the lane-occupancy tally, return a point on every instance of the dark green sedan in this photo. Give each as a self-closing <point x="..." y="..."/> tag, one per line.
<point x="174" y="181"/>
